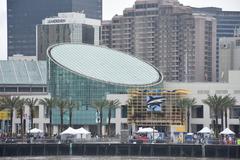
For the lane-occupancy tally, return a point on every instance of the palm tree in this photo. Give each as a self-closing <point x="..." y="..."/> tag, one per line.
<point x="99" y="105"/>
<point x="10" y="103"/>
<point x="62" y="105"/>
<point x="228" y="102"/>
<point x="71" y="104"/>
<point x="113" y="104"/>
<point x="214" y="102"/>
<point x="49" y="103"/>
<point x="20" y="111"/>
<point x="186" y="103"/>
<point x="32" y="104"/>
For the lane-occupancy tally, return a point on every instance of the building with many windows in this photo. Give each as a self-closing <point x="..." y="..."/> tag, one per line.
<point x="229" y="57"/>
<point x="26" y="79"/>
<point x="170" y="120"/>
<point x="69" y="27"/>
<point x="227" y="22"/>
<point x="166" y="34"/>
<point x="23" y="78"/>
<point x="24" y="15"/>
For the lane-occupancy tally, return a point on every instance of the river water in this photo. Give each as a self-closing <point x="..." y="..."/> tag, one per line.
<point x="104" y="158"/>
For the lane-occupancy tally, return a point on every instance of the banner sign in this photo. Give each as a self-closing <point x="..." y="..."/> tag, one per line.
<point x="154" y="103"/>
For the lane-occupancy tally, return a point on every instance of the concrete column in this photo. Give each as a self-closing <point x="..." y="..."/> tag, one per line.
<point x="118" y="121"/>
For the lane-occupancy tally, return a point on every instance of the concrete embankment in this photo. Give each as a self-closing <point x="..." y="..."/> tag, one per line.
<point x="149" y="150"/>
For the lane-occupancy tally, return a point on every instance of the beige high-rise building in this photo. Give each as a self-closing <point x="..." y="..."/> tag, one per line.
<point x="205" y="48"/>
<point x="229" y="56"/>
<point x="162" y="32"/>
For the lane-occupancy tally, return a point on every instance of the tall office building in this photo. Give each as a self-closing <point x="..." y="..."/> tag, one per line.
<point x="66" y="27"/>
<point x="106" y="33"/>
<point x="229" y="57"/>
<point x="163" y="33"/>
<point x="227" y="21"/>
<point x="204" y="48"/>
<point x="24" y="15"/>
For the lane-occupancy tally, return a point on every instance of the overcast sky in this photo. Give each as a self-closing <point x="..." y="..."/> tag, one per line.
<point x="112" y="7"/>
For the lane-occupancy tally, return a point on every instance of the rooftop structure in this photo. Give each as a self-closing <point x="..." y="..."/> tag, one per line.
<point x="66" y="27"/>
<point x="23" y="77"/>
<point x="104" y="65"/>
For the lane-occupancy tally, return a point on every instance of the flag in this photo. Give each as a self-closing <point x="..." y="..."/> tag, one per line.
<point x="154" y="103"/>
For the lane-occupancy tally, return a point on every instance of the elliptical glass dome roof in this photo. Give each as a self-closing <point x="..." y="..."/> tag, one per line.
<point x="104" y="64"/>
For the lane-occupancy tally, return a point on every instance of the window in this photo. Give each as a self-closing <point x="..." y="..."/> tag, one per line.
<point x="235" y="112"/>
<point x="196" y="127"/>
<point x="236" y="91"/>
<point x="10" y="89"/>
<point x="37" y="89"/>
<point x="124" y="126"/>
<point x="202" y="92"/>
<point x="24" y="89"/>
<point x="238" y="43"/>
<point x="197" y="111"/>
<point x="124" y="111"/>
<point x="221" y="92"/>
<point x="36" y="112"/>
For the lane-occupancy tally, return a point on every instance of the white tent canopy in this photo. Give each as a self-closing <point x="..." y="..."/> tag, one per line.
<point x="35" y="130"/>
<point x="146" y="130"/>
<point x="82" y="131"/>
<point x="83" y="134"/>
<point x="69" y="131"/>
<point x="205" y="130"/>
<point x="227" y="131"/>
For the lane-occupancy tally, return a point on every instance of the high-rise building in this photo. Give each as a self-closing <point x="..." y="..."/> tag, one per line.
<point x="204" y="48"/>
<point x="163" y="33"/>
<point x="227" y="21"/>
<point x="66" y="27"/>
<point x="106" y="33"/>
<point x="24" y="15"/>
<point x="229" y="57"/>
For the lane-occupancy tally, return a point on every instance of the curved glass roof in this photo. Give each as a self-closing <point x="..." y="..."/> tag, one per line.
<point x="104" y="64"/>
<point x="23" y="72"/>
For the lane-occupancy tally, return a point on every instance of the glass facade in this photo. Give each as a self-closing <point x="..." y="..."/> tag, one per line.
<point x="48" y="35"/>
<point x="67" y="84"/>
<point x="24" y="15"/>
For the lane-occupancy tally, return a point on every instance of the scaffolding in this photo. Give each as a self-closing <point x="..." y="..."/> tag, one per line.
<point x="170" y="114"/>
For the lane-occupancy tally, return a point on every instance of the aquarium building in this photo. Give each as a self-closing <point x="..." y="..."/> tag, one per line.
<point x="85" y="73"/>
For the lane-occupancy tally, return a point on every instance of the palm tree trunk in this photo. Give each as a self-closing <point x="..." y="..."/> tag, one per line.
<point x="50" y="119"/>
<point x="61" y="115"/>
<point x="100" y="124"/>
<point x="182" y="115"/>
<point x="109" y="120"/>
<point x="188" y="119"/>
<point x="226" y="121"/>
<point x="216" y="126"/>
<point x="31" y="118"/>
<point x="70" y="117"/>
<point x="222" y="126"/>
<point x="21" y="122"/>
<point x="11" y="122"/>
